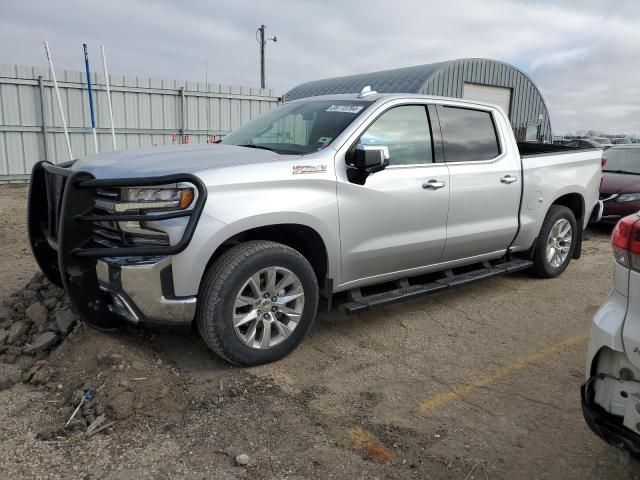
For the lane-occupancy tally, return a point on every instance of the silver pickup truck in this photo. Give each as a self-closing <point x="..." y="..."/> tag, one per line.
<point x="361" y="200"/>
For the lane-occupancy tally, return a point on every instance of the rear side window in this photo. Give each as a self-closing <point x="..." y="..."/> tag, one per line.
<point x="405" y="130"/>
<point x="468" y="135"/>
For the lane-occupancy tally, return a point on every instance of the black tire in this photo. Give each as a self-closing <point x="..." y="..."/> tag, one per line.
<point x="222" y="282"/>
<point x="541" y="265"/>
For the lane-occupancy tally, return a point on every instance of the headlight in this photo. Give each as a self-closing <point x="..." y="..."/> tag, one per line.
<point x="155" y="198"/>
<point x="628" y="197"/>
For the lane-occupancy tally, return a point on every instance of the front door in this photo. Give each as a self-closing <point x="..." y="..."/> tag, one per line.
<point x="396" y="221"/>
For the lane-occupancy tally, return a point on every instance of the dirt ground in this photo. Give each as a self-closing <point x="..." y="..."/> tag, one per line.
<point x="18" y="265"/>
<point x="480" y="382"/>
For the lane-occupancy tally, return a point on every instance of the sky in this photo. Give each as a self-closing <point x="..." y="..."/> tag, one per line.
<point x="583" y="55"/>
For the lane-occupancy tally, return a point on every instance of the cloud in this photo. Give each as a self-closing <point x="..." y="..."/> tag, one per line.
<point x="583" y="55"/>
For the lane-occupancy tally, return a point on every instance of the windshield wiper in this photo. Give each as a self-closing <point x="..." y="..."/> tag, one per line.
<point x="261" y="147"/>
<point x="621" y="171"/>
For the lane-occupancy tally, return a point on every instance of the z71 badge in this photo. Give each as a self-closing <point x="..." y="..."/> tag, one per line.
<point x="301" y="169"/>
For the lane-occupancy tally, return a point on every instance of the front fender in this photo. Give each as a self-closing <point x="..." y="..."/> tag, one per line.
<point x="189" y="266"/>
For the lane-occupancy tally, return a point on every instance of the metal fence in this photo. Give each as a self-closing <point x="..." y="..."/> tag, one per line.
<point x="146" y="112"/>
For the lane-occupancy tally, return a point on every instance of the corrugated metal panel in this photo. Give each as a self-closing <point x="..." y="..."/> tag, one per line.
<point x="445" y="79"/>
<point x="526" y="100"/>
<point x="408" y="79"/>
<point x="146" y="112"/>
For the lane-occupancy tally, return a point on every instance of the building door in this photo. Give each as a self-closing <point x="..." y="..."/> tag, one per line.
<point x="500" y="96"/>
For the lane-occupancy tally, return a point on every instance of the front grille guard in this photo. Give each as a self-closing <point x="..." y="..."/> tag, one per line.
<point x="60" y="225"/>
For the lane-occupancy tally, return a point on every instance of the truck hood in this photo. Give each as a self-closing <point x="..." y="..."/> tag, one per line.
<point x="165" y="160"/>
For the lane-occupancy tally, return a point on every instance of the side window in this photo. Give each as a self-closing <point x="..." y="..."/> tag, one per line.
<point x="468" y="135"/>
<point x="405" y="130"/>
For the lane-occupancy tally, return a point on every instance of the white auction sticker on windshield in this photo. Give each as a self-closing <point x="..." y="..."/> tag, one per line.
<point x="345" y="108"/>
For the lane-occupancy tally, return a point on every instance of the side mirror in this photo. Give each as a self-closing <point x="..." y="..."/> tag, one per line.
<point x="369" y="157"/>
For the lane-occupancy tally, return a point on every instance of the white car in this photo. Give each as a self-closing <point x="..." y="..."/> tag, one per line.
<point x="611" y="394"/>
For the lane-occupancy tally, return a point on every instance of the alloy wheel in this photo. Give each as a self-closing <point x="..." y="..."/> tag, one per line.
<point x="559" y="242"/>
<point x="268" y="307"/>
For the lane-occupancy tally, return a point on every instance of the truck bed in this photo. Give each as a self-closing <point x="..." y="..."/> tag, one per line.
<point x="528" y="149"/>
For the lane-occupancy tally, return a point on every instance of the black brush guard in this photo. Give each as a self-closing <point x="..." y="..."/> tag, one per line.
<point x="60" y="224"/>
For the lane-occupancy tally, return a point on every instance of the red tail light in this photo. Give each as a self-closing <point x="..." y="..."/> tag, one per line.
<point x="625" y="240"/>
<point x="604" y="161"/>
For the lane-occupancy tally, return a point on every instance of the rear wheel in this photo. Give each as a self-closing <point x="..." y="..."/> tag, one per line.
<point x="256" y="302"/>
<point x="556" y="242"/>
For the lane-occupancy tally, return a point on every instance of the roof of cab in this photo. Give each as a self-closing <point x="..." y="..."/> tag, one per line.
<point x="393" y="96"/>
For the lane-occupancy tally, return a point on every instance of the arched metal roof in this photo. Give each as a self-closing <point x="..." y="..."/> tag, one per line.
<point x="399" y="80"/>
<point x="446" y="79"/>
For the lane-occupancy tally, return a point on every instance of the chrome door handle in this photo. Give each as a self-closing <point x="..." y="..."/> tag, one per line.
<point x="508" y="179"/>
<point x="433" y="184"/>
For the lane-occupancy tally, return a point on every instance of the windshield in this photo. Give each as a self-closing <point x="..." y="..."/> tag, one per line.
<point x="603" y="141"/>
<point x="299" y="127"/>
<point x="621" y="141"/>
<point x="623" y="159"/>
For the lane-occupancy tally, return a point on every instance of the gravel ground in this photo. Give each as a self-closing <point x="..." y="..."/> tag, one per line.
<point x="484" y="377"/>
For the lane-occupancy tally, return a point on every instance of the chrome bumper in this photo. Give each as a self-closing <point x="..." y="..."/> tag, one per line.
<point x="141" y="291"/>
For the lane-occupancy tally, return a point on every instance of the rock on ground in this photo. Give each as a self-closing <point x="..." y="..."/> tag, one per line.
<point x="41" y="376"/>
<point x="17" y="331"/>
<point x="42" y="342"/>
<point x="242" y="459"/>
<point x="50" y="302"/>
<point x="37" y="313"/>
<point x="65" y="319"/>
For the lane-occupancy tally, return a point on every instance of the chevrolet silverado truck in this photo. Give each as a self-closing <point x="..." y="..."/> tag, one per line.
<point x="359" y="199"/>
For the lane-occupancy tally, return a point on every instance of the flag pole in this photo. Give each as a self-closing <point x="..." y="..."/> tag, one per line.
<point x="93" y="117"/>
<point x="55" y="86"/>
<point x="106" y="79"/>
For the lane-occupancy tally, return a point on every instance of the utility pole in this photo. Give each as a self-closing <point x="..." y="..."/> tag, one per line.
<point x="262" y="41"/>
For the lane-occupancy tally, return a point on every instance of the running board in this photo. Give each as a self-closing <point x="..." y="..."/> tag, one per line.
<point x="360" y="303"/>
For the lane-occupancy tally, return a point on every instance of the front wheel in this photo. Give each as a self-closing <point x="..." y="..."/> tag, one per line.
<point x="256" y="302"/>
<point x="556" y="242"/>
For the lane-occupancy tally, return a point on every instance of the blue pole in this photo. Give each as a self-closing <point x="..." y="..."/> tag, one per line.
<point x="93" y="117"/>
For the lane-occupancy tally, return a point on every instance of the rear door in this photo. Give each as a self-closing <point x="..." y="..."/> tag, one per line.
<point x="485" y="179"/>
<point x="397" y="220"/>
